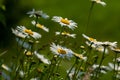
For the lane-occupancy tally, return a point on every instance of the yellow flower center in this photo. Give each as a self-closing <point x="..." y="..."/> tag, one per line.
<point x="65" y="21"/>
<point x="61" y="51"/>
<point x="97" y="1"/>
<point x="78" y="55"/>
<point x="39" y="26"/>
<point x="93" y="40"/>
<point x="28" y="53"/>
<point x="65" y="33"/>
<point x="28" y="31"/>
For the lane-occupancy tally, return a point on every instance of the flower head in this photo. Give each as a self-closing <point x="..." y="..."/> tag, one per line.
<point x="65" y="22"/>
<point x="114" y="67"/>
<point x="99" y="2"/>
<point x="91" y="40"/>
<point x="116" y="50"/>
<point x="103" y="69"/>
<point x="61" y="51"/>
<point x="97" y="47"/>
<point x="66" y="34"/>
<point x="34" y="13"/>
<point x="108" y="44"/>
<point x="38" y="25"/>
<point x="80" y="56"/>
<point x="23" y="32"/>
<point x="42" y="58"/>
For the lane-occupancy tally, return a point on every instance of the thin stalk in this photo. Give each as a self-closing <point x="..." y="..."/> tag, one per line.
<point x="70" y="69"/>
<point x="103" y="56"/>
<point x="114" y="76"/>
<point x="89" y="16"/>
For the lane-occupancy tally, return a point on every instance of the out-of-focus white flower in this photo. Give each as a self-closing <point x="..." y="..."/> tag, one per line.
<point x="6" y="67"/>
<point x="38" y="25"/>
<point x="42" y="58"/>
<point x="66" y="34"/>
<point x="65" y="22"/>
<point x="34" y="13"/>
<point x="18" y="33"/>
<point x="80" y="56"/>
<point x="61" y="51"/>
<point x="99" y="2"/>
<point x="116" y="50"/>
<point x="72" y="73"/>
<point x="92" y="40"/>
<point x="107" y="44"/>
<point x="111" y="67"/>
<point x="35" y="78"/>
<point x="23" y="32"/>
<point x="97" y="47"/>
<point x="21" y="73"/>
<point x="103" y="69"/>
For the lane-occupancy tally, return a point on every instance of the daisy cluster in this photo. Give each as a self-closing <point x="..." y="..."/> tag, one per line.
<point x="36" y="61"/>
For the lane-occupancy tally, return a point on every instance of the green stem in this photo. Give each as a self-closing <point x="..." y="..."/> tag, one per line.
<point x="89" y="16"/>
<point x="103" y="56"/>
<point x="67" y="76"/>
<point x="114" y="76"/>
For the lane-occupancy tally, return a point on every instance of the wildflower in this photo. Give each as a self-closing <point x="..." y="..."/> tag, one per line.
<point x="65" y="22"/>
<point x="113" y="67"/>
<point x="6" y="67"/>
<point x="103" y="69"/>
<point x="118" y="60"/>
<point x="21" y="73"/>
<point x="66" y="34"/>
<point x="61" y="51"/>
<point x="24" y="32"/>
<point x="116" y="50"/>
<point x="42" y="58"/>
<point x="40" y="26"/>
<point x="97" y="47"/>
<point x="72" y="73"/>
<point x="99" y="2"/>
<point x="34" y="13"/>
<point x="107" y="44"/>
<point x="28" y="53"/>
<point x="19" y="33"/>
<point x="91" y="40"/>
<point x="36" y="78"/>
<point x="80" y="56"/>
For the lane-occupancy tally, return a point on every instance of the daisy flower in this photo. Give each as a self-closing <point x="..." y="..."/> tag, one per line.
<point x="66" y="34"/>
<point x="38" y="25"/>
<point x="42" y="58"/>
<point x="61" y="51"/>
<point x="112" y="67"/>
<point x="108" y="44"/>
<point x="65" y="22"/>
<point x="18" y="33"/>
<point x="99" y="2"/>
<point x="34" y="13"/>
<point x="92" y="40"/>
<point x="97" y="47"/>
<point x="116" y="50"/>
<point x="103" y="69"/>
<point x="24" y="32"/>
<point x="80" y="56"/>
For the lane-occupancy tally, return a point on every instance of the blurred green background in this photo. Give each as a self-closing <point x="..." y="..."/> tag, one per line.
<point x="104" y="23"/>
